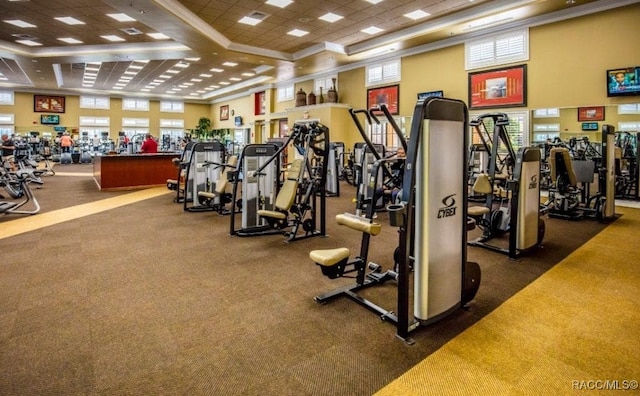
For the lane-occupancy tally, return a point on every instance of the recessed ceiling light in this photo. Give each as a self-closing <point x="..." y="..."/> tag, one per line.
<point x="215" y="70"/>
<point x="158" y="36"/>
<point x="249" y="21"/>
<point x="206" y="75"/>
<point x="331" y="17"/>
<point x="235" y="79"/>
<point x="30" y="43"/>
<point x="131" y="72"/>
<point x="112" y="38"/>
<point x="20" y="23"/>
<point x="297" y="32"/>
<point x="231" y="64"/>
<point x="69" y="40"/>
<point x="70" y="20"/>
<point x="196" y="79"/>
<point x="193" y="94"/>
<point x="279" y="3"/>
<point x="136" y="66"/>
<point x="121" y="17"/>
<point x="164" y="76"/>
<point x="181" y="65"/>
<point x="172" y="71"/>
<point x="145" y="89"/>
<point x="374" y="1"/>
<point x="248" y="74"/>
<point x="224" y="83"/>
<point x="192" y="59"/>
<point x="417" y="14"/>
<point x="117" y="88"/>
<point x="201" y="91"/>
<point x="372" y="30"/>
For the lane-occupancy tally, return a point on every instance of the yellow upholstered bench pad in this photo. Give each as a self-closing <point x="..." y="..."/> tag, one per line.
<point x="329" y="257"/>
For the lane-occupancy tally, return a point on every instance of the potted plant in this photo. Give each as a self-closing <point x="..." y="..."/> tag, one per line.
<point x="203" y="129"/>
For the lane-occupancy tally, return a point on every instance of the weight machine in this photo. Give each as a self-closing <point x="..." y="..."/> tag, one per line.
<point x="432" y="224"/>
<point x="301" y="201"/>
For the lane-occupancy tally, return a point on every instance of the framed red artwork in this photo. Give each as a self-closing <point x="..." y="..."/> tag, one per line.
<point x="387" y="95"/>
<point x="505" y="87"/>
<point x="593" y="113"/>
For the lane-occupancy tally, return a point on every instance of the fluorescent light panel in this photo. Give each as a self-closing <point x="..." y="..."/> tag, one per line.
<point x="121" y="17"/>
<point x="20" y="23"/>
<point x="70" y="40"/>
<point x="331" y="17"/>
<point x="374" y="1"/>
<point x="231" y="64"/>
<point x="249" y="21"/>
<point x="372" y="30"/>
<point x="279" y="3"/>
<point x="417" y="14"/>
<point x="158" y="36"/>
<point x="30" y="43"/>
<point x="112" y="38"/>
<point x="70" y="20"/>
<point x="297" y="32"/>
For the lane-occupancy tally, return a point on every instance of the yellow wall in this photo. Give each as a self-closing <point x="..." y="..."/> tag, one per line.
<point x="27" y="120"/>
<point x="569" y="59"/>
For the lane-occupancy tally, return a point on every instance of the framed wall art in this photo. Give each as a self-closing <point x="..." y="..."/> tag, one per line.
<point x="505" y="87"/>
<point x="593" y="113"/>
<point x="48" y="104"/>
<point x="224" y="112"/>
<point x="387" y="95"/>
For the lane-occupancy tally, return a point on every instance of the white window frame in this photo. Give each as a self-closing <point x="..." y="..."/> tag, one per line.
<point x="325" y="83"/>
<point x="552" y="112"/>
<point x="172" y="123"/>
<point x="171" y="106"/>
<point x="7" y="98"/>
<point x="629" y="126"/>
<point x="95" y="102"/>
<point x="135" y="122"/>
<point x="7" y="124"/>
<point x="485" y="51"/>
<point x="135" y="104"/>
<point x="93" y="121"/>
<point x="524" y="130"/>
<point x="383" y="73"/>
<point x="286" y="93"/>
<point x="629" y="108"/>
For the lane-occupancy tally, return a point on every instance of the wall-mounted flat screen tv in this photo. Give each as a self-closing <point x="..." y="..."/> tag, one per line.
<point x="50" y="119"/>
<point x="624" y="81"/>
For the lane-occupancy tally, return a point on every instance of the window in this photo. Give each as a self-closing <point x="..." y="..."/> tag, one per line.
<point x="6" y="98"/>
<point x="135" y="126"/>
<point x="553" y="112"/>
<point x="7" y="124"/>
<point x="94" y="121"/>
<point x="631" y="126"/>
<point x="171" y="123"/>
<point x="382" y="73"/>
<point x="498" y="49"/>
<point x="631" y="108"/>
<point x="285" y="93"/>
<point x="517" y="128"/>
<point x="324" y="83"/>
<point x="95" y="102"/>
<point x="135" y="122"/>
<point x="94" y="125"/>
<point x="542" y="132"/>
<point x="171" y="106"/>
<point x="135" y="104"/>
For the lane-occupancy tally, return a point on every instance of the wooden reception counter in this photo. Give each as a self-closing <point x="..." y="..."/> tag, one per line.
<point x="133" y="171"/>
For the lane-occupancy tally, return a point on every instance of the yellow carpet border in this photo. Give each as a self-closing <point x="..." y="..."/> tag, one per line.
<point x="40" y="220"/>
<point x="539" y="341"/>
